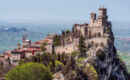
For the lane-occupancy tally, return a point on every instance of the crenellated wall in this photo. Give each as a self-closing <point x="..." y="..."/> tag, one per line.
<point x="71" y="47"/>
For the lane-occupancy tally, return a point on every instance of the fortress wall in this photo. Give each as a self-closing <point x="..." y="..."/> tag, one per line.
<point x="49" y="48"/>
<point x="83" y="31"/>
<point x="68" y="48"/>
<point x="97" y="40"/>
<point x="95" y="23"/>
<point x="95" y="30"/>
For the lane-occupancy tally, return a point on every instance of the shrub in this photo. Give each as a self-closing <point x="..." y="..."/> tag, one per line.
<point x="71" y="75"/>
<point x="81" y="59"/>
<point x="74" y="54"/>
<point x="29" y="71"/>
<point x="59" y="65"/>
<point x="91" y="73"/>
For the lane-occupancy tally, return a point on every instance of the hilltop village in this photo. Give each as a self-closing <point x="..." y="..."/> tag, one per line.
<point x="97" y="32"/>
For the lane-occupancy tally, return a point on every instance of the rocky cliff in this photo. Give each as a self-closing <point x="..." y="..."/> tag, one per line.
<point x="106" y="61"/>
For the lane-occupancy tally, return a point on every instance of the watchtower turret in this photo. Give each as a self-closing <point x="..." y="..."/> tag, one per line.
<point x="102" y="17"/>
<point x="92" y="17"/>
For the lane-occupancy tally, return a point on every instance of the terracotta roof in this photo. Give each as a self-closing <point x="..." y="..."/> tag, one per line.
<point x="17" y="51"/>
<point x="38" y="42"/>
<point x="7" y="54"/>
<point x="31" y="49"/>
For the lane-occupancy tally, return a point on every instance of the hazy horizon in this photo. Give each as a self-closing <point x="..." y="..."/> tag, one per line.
<point x="60" y="11"/>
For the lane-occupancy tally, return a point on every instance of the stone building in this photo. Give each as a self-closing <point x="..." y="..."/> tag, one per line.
<point x="17" y="55"/>
<point x="32" y="52"/>
<point x="96" y="26"/>
<point x="25" y="42"/>
<point x="95" y="32"/>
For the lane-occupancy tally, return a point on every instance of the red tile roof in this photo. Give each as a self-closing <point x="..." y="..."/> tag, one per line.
<point x="18" y="50"/>
<point x="31" y="49"/>
<point x="7" y="54"/>
<point x="38" y="42"/>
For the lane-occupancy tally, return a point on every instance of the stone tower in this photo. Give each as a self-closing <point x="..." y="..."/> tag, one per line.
<point x="92" y="17"/>
<point x="23" y="38"/>
<point x="102" y="17"/>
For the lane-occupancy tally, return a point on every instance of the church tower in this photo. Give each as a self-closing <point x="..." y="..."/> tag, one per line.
<point x="23" y="38"/>
<point x="102" y="17"/>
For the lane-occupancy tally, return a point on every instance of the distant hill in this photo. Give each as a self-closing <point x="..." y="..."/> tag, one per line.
<point x="6" y="29"/>
<point x="9" y="37"/>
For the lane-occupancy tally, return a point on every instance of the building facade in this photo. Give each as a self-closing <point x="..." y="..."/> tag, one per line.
<point x="96" y="26"/>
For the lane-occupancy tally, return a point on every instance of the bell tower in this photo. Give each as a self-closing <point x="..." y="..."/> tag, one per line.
<point x="93" y="19"/>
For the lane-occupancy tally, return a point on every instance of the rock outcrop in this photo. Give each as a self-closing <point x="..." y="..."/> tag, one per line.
<point x="106" y="61"/>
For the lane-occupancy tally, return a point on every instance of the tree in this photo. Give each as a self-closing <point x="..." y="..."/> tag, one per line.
<point x="63" y="32"/>
<point x="56" y="40"/>
<point x="82" y="46"/>
<point x="1" y="67"/>
<point x="74" y="54"/>
<point x="29" y="71"/>
<point x="68" y="32"/>
<point x="43" y="46"/>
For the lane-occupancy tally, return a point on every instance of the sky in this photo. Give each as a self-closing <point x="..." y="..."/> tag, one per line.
<point x="61" y="11"/>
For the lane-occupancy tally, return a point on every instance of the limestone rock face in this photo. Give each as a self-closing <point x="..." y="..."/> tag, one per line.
<point x="106" y="61"/>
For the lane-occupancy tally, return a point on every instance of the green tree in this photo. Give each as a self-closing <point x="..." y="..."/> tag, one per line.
<point x="43" y="47"/>
<point x="56" y="40"/>
<point x="74" y="54"/>
<point x="63" y="32"/>
<point x="82" y="46"/>
<point x="29" y="71"/>
<point x="68" y="32"/>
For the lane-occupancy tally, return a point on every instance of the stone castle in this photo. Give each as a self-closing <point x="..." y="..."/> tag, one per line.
<point x="96" y="31"/>
<point x="96" y="26"/>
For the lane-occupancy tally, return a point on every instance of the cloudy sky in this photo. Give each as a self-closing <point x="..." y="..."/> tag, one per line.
<point x="55" y="11"/>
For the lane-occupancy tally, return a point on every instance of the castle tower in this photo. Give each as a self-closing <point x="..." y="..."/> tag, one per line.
<point x="102" y="17"/>
<point x="92" y="17"/>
